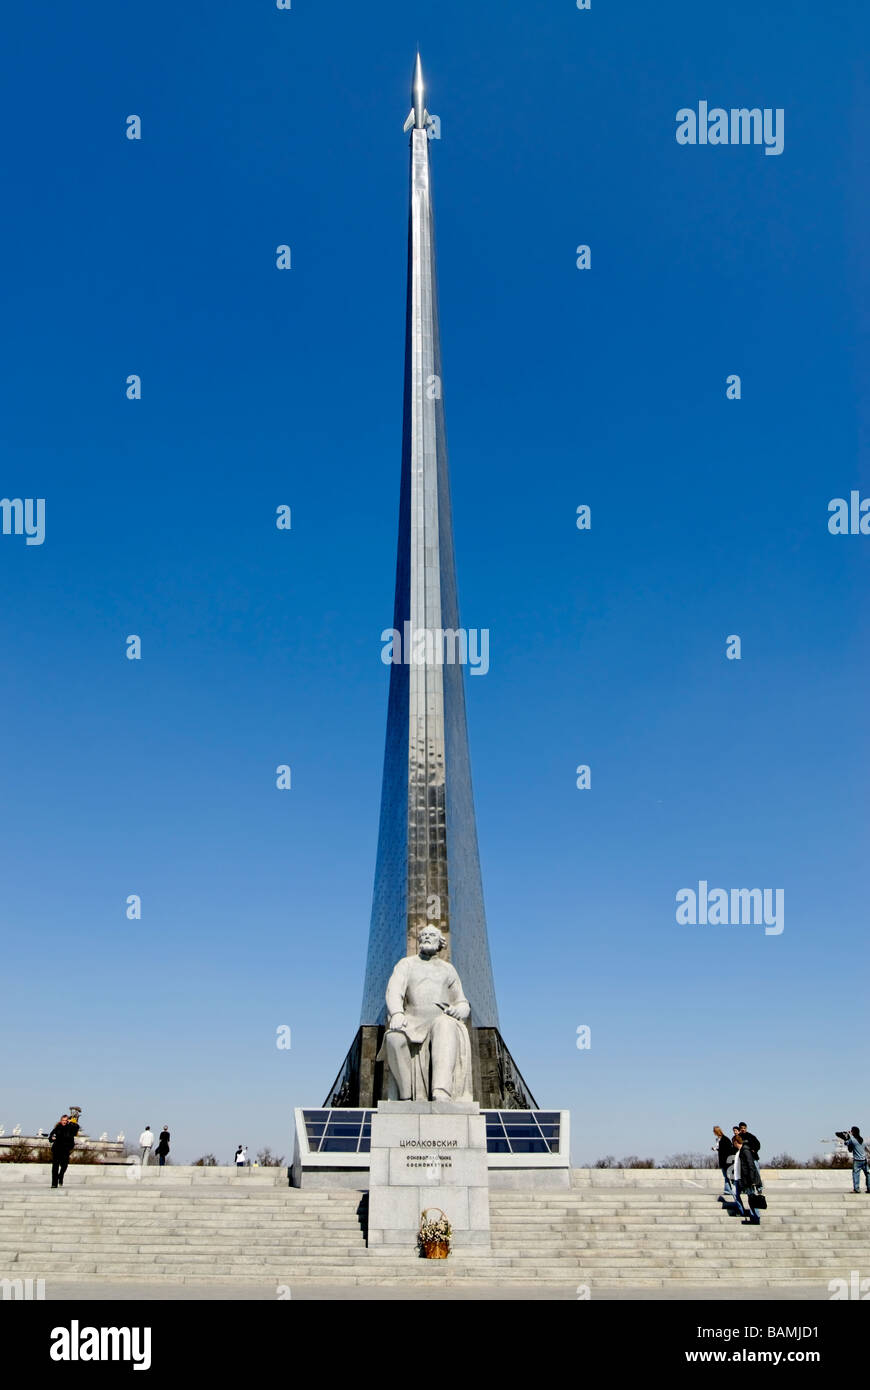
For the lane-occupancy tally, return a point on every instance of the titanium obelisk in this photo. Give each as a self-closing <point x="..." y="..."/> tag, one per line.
<point x="428" y="868"/>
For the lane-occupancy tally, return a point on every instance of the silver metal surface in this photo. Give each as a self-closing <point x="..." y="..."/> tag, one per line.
<point x="417" y="91"/>
<point x="427" y="867"/>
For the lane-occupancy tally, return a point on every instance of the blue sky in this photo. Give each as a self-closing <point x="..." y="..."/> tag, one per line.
<point x="260" y="647"/>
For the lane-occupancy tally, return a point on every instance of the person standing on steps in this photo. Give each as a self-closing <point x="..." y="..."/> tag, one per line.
<point x="146" y="1139"/>
<point x="750" y="1139"/>
<point x="241" y="1156"/>
<point x="746" y="1179"/>
<point x="62" y="1140"/>
<point x="725" y="1152"/>
<point x="162" y="1150"/>
<point x="858" y="1149"/>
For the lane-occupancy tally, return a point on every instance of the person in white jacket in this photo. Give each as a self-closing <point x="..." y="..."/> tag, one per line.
<point x="146" y="1139"/>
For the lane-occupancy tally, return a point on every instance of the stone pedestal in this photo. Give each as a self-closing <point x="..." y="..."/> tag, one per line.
<point x="428" y="1154"/>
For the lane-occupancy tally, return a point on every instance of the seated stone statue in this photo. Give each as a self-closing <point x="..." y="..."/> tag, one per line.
<point x="426" y="1044"/>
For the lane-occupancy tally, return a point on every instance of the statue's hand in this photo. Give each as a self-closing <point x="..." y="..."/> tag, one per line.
<point x="398" y="1023"/>
<point x="453" y="1012"/>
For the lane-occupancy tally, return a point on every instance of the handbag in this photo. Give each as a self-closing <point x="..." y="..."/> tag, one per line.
<point x="759" y="1201"/>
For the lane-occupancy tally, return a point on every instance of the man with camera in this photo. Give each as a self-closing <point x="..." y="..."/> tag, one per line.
<point x="858" y="1149"/>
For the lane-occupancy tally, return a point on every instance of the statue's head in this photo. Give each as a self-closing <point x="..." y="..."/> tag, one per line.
<point x="430" y="940"/>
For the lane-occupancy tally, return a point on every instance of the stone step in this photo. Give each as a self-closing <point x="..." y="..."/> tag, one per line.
<point x="340" y="1274"/>
<point x="136" y="1196"/>
<point x="362" y="1263"/>
<point x="832" y="1241"/>
<point x="641" y="1208"/>
<point x="72" y="1211"/>
<point x="845" y="1221"/>
<point x="86" y="1221"/>
<point x="594" y="1208"/>
<point x="137" y="1220"/>
<point x="623" y="1254"/>
<point x="575" y="1201"/>
<point x="297" y="1230"/>
<point x="161" y="1258"/>
<point x="771" y="1239"/>
<point x="149" y="1261"/>
<point x="69" y="1202"/>
<point x="676" y="1250"/>
<point x="527" y="1275"/>
<point x="586" y="1250"/>
<point x="130" y="1195"/>
<point x="81" y="1201"/>
<point x="523" y="1269"/>
<point x="687" y="1219"/>
<point x="280" y="1198"/>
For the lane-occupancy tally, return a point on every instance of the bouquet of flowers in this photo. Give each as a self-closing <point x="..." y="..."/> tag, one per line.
<point x="434" y="1235"/>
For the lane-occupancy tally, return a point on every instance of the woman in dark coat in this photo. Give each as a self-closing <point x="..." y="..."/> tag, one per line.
<point x="746" y="1179"/>
<point x="162" y="1149"/>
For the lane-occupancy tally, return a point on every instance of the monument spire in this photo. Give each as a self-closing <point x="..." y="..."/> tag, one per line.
<point x="417" y="95"/>
<point x="427" y="869"/>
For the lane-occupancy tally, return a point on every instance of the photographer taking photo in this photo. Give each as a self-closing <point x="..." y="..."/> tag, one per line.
<point x="858" y="1149"/>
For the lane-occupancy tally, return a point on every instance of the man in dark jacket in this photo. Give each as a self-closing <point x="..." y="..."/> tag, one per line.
<point x="750" y="1139"/>
<point x="746" y="1179"/>
<point x="62" y="1140"/>
<point x="162" y="1150"/>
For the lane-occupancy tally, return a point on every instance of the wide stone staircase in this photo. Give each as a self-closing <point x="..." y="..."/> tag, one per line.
<point x="642" y="1238"/>
<point x="655" y="1231"/>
